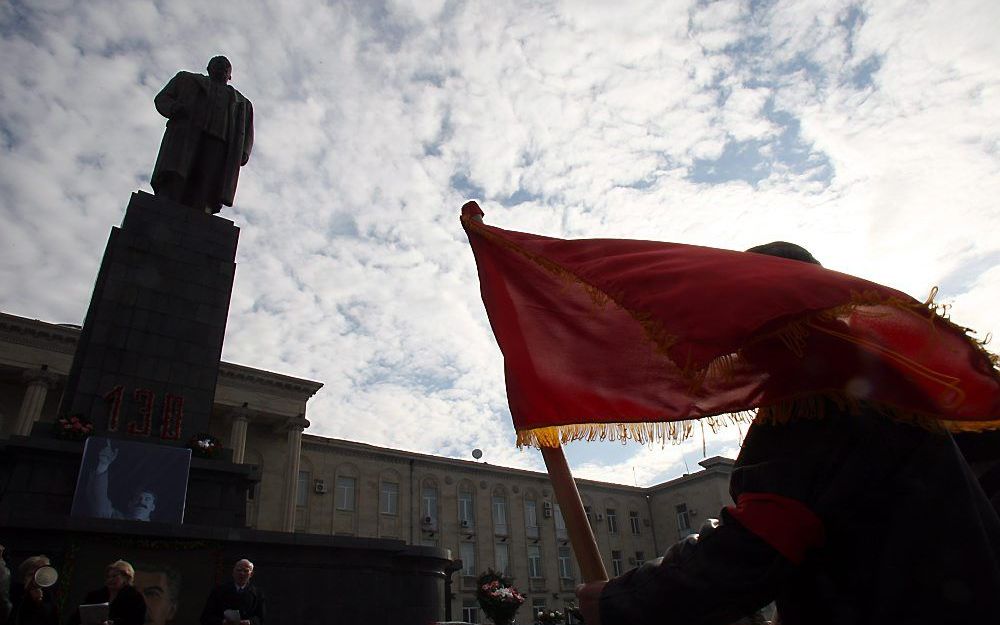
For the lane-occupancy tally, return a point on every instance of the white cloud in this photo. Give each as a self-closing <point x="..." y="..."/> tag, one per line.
<point x="868" y="132"/>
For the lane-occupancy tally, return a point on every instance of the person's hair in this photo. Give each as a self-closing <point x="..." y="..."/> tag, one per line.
<point x="173" y="577"/>
<point x="784" y="249"/>
<point x="218" y="59"/>
<point x="237" y="563"/>
<point x="124" y="567"/>
<point x="140" y="490"/>
<point x="30" y="565"/>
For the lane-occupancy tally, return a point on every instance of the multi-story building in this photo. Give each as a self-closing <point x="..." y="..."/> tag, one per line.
<point x="488" y="516"/>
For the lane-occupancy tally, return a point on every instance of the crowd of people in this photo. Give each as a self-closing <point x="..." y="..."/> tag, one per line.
<point x="144" y="596"/>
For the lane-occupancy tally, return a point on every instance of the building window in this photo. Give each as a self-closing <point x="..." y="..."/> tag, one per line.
<point x="500" y="515"/>
<point x="534" y="561"/>
<point x="531" y="518"/>
<point x="537" y="605"/>
<point x="612" y="520"/>
<point x="389" y="498"/>
<point x="465" y="508"/>
<point x="565" y="568"/>
<point x="503" y="558"/>
<point x="467" y="551"/>
<point x="470" y="612"/>
<point x="345" y="493"/>
<point x="560" y="523"/>
<point x="302" y="489"/>
<point x="683" y="520"/>
<point x="633" y="519"/>
<point x="616" y="563"/>
<point x="640" y="558"/>
<point x="429" y="504"/>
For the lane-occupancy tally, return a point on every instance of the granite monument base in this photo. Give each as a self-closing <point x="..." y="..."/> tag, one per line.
<point x="147" y="360"/>
<point x="40" y="476"/>
<point x="305" y="579"/>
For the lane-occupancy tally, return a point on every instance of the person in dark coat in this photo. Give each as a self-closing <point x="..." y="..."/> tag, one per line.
<point x="208" y="138"/>
<point x="843" y="516"/>
<point x="5" y="605"/>
<point x="127" y="607"/>
<point x="32" y="604"/>
<point x="238" y="596"/>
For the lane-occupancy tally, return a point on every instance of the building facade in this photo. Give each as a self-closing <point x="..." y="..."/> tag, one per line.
<point x="487" y="516"/>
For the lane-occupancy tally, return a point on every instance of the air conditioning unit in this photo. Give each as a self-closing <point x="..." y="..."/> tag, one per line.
<point x="466" y="523"/>
<point x="319" y="486"/>
<point x="547" y="510"/>
<point x="600" y="517"/>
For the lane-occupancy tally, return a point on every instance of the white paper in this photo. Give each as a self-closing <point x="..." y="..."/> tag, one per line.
<point x="94" y="613"/>
<point x="232" y="616"/>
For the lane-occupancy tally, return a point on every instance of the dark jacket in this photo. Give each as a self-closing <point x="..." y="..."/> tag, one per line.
<point x="224" y="597"/>
<point x="907" y="535"/>
<point x="25" y="611"/>
<point x="128" y="608"/>
<point x="183" y="102"/>
<point x="5" y="605"/>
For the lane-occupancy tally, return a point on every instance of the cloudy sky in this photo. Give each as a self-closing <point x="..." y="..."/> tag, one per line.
<point x="867" y="131"/>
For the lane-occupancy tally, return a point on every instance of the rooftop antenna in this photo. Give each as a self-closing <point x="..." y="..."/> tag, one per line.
<point x="634" y="480"/>
<point x="687" y="469"/>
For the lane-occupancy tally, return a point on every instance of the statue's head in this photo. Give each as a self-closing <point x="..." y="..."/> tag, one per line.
<point x="220" y="69"/>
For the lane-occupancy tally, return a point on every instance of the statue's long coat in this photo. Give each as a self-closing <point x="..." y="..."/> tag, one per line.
<point x="177" y="151"/>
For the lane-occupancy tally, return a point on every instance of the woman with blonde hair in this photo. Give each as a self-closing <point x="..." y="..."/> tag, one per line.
<point x="127" y="605"/>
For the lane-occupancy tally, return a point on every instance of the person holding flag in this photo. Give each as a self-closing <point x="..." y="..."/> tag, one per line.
<point x="852" y="503"/>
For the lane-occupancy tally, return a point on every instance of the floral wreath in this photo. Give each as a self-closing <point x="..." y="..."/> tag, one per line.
<point x="497" y="596"/>
<point x="73" y="428"/>
<point x="549" y="617"/>
<point x="204" y="445"/>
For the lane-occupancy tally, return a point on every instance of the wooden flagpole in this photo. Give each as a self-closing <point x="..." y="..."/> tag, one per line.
<point x="581" y="535"/>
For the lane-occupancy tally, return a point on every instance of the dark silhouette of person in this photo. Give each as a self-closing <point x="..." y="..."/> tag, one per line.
<point x="237" y="602"/>
<point x="843" y="516"/>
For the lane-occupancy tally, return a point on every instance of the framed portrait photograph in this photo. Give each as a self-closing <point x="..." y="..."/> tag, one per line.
<point x="122" y="479"/>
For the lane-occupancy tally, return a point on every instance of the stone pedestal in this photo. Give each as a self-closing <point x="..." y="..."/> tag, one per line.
<point x="306" y="579"/>
<point x="41" y="472"/>
<point x="148" y="356"/>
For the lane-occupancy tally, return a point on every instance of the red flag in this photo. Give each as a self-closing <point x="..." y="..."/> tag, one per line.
<point x="635" y="339"/>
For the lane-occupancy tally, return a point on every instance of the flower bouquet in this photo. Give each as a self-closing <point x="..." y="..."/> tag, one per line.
<point x="549" y="617"/>
<point x="204" y="445"/>
<point x="498" y="598"/>
<point x="73" y="428"/>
